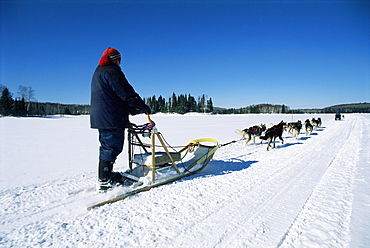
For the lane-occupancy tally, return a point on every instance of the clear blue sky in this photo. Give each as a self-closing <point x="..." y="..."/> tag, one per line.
<point x="304" y="54"/>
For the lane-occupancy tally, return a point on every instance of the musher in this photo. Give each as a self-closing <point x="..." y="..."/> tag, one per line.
<point x="112" y="100"/>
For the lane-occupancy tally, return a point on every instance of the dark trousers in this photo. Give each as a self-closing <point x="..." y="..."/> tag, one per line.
<point x="111" y="143"/>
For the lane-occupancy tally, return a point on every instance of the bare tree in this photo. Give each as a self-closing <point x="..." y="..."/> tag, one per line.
<point x="27" y="93"/>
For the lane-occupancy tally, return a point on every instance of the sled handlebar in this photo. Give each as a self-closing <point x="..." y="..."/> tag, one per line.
<point x="149" y="120"/>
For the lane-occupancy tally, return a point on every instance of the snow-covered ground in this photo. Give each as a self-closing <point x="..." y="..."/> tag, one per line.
<point x="310" y="192"/>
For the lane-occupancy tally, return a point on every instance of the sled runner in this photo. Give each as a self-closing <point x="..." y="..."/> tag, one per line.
<point x="158" y="164"/>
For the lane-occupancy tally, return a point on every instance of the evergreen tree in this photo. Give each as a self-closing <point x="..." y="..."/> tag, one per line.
<point x="192" y="104"/>
<point x="181" y="105"/>
<point x="210" y="105"/>
<point x="168" y="105"/>
<point x="19" y="107"/>
<point x="6" y="102"/>
<point x="154" y="105"/>
<point x="283" y="109"/>
<point x="202" y="104"/>
<point x="161" y="104"/>
<point x="173" y="103"/>
<point x="67" y="111"/>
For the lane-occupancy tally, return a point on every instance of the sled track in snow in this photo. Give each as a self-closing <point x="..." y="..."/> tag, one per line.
<point x="297" y="195"/>
<point x="41" y="201"/>
<point x="246" y="222"/>
<point x="337" y="183"/>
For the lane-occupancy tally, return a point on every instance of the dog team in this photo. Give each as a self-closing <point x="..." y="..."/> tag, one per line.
<point x="276" y="131"/>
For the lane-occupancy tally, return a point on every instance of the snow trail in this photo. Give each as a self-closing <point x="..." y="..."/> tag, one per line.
<point x="284" y="189"/>
<point x="331" y="201"/>
<point x="309" y="192"/>
<point x="360" y="224"/>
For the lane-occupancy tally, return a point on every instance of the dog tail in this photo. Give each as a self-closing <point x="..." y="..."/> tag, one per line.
<point x="239" y="132"/>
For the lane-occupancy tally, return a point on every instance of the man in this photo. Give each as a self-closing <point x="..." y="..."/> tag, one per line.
<point x="112" y="100"/>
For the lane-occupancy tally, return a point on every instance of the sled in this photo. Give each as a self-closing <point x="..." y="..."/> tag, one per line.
<point x="159" y="164"/>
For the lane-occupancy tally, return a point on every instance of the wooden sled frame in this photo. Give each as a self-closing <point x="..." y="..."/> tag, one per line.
<point x="134" y="140"/>
<point x="154" y="134"/>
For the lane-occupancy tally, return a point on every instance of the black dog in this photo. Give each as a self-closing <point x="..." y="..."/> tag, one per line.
<point x="315" y="123"/>
<point x="295" y="128"/>
<point x="308" y="127"/>
<point x="252" y="131"/>
<point x="320" y="122"/>
<point x="273" y="132"/>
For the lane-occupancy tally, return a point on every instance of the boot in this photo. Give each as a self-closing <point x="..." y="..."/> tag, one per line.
<point x="104" y="175"/>
<point x="105" y="170"/>
<point x="106" y="178"/>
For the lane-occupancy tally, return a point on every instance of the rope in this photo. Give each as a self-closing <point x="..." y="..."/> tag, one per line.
<point x="228" y="143"/>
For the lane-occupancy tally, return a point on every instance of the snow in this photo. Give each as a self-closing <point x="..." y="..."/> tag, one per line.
<point x="310" y="192"/>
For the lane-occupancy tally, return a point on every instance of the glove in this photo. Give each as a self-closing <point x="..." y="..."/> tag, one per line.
<point x="134" y="111"/>
<point x="143" y="109"/>
<point x="146" y="109"/>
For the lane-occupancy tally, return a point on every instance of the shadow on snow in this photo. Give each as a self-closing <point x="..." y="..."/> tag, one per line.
<point x="220" y="167"/>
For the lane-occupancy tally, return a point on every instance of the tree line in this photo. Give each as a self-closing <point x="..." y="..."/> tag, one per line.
<point x="255" y="109"/>
<point x="25" y="105"/>
<point x="343" y="108"/>
<point x="181" y="104"/>
<point x="17" y="106"/>
<point x="187" y="103"/>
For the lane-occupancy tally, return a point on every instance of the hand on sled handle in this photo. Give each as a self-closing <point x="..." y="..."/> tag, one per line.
<point x="141" y="109"/>
<point x="134" y="111"/>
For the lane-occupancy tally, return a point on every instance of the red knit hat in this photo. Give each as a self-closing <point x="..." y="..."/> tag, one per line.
<point x="109" y="55"/>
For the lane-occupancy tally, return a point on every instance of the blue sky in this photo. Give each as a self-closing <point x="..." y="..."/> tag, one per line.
<point x="304" y="54"/>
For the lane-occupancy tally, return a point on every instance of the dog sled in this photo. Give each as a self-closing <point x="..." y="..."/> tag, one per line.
<point x="157" y="163"/>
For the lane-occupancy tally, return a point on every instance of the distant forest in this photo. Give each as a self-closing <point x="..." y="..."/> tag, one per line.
<point x="26" y="105"/>
<point x="344" y="108"/>
<point x="268" y="108"/>
<point x="255" y="109"/>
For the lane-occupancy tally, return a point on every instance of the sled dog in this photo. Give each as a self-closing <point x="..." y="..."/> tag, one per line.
<point x="273" y="132"/>
<point x="319" y="122"/>
<point x="255" y="131"/>
<point x="308" y="127"/>
<point x="314" y="123"/>
<point x="294" y="128"/>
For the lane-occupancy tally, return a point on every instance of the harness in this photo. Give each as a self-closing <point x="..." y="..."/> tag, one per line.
<point x="254" y="130"/>
<point x="275" y="130"/>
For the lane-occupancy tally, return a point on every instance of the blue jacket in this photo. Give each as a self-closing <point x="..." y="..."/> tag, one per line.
<point x="112" y="99"/>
